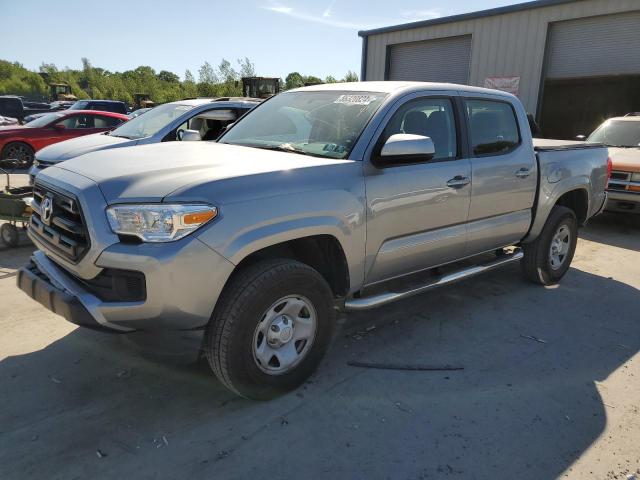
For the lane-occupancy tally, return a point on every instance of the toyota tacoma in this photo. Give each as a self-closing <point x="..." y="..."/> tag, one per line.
<point x="324" y="198"/>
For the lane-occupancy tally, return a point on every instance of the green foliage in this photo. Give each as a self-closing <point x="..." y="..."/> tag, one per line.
<point x="163" y="86"/>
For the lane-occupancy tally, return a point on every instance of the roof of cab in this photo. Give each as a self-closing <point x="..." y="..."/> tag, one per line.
<point x="395" y="87"/>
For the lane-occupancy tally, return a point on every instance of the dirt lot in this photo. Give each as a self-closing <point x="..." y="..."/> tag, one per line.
<point x="79" y="404"/>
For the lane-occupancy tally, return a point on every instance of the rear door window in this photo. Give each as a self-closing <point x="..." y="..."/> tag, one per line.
<point x="106" y="122"/>
<point x="493" y="127"/>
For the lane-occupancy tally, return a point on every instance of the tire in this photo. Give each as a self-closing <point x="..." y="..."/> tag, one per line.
<point x="9" y="235"/>
<point x="539" y="264"/>
<point x="19" y="151"/>
<point x="240" y="344"/>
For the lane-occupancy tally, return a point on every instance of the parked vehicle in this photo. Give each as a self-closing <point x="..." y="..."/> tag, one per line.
<point x="14" y="107"/>
<point x="102" y="105"/>
<point x="138" y="112"/>
<point x="260" y="87"/>
<point x="21" y="142"/>
<point x="165" y="123"/>
<point x="622" y="135"/>
<point x="53" y="107"/>
<point x="6" y="121"/>
<point x="325" y="196"/>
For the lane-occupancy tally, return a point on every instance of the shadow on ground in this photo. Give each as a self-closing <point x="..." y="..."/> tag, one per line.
<point x="616" y="229"/>
<point x="88" y="405"/>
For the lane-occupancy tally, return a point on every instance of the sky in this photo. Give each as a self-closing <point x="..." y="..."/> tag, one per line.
<point x="279" y="36"/>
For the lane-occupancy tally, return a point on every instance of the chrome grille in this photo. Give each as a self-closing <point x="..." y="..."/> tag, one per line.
<point x="621" y="181"/>
<point x="58" y="223"/>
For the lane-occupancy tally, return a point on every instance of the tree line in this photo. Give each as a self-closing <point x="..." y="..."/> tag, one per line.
<point x="163" y="86"/>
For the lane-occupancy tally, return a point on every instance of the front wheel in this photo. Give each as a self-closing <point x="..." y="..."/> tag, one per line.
<point x="9" y="235"/>
<point x="21" y="152"/>
<point x="270" y="329"/>
<point x="548" y="258"/>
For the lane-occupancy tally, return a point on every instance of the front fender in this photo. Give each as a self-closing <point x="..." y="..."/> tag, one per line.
<point x="247" y="227"/>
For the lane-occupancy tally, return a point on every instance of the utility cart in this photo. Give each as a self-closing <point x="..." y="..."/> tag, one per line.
<point x="15" y="210"/>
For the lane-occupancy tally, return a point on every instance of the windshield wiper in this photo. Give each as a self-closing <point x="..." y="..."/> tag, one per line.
<point x="118" y="136"/>
<point x="283" y="148"/>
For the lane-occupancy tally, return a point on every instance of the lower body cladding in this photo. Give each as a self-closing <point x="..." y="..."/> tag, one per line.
<point x="181" y="282"/>
<point x="623" y="202"/>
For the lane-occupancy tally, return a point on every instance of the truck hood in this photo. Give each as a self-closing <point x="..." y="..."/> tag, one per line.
<point x="75" y="147"/>
<point x="152" y="172"/>
<point x="625" y="159"/>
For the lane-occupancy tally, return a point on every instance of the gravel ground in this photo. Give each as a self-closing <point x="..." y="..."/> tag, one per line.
<point x="80" y="404"/>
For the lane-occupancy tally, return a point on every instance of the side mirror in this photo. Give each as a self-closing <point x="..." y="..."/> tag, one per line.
<point x="582" y="138"/>
<point x="404" y="147"/>
<point x="59" y="126"/>
<point x="191" y="136"/>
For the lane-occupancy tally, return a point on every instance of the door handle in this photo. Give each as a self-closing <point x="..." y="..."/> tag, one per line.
<point x="458" y="181"/>
<point x="523" y="172"/>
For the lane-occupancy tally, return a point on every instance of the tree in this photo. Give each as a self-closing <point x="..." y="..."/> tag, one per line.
<point x="166" y="76"/>
<point x="293" y="80"/>
<point x="350" y="77"/>
<point x="188" y="76"/>
<point x="312" y="80"/>
<point x="247" y="69"/>
<point x="330" y="79"/>
<point x="206" y="74"/>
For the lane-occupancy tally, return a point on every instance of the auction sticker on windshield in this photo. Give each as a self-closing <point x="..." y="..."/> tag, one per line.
<point x="355" y="99"/>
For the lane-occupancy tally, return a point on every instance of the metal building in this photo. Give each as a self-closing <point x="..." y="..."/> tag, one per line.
<point x="572" y="63"/>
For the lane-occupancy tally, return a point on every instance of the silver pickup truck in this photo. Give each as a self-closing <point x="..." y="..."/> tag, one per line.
<point x="324" y="198"/>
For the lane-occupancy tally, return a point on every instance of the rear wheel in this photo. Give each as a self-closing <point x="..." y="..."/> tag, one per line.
<point x="19" y="151"/>
<point x="270" y="329"/>
<point x="548" y="258"/>
<point x="9" y="235"/>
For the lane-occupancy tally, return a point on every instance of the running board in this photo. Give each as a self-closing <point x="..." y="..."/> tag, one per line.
<point x="365" y="303"/>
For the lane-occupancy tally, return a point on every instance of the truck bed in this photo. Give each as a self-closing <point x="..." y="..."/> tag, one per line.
<point x="545" y="144"/>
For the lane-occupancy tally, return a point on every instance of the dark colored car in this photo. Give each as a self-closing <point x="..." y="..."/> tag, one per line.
<point x="21" y="142"/>
<point x="13" y="107"/>
<point x="114" y="106"/>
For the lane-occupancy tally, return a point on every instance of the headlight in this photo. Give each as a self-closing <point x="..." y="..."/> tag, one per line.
<point x="36" y="163"/>
<point x="635" y="177"/>
<point x="159" y="222"/>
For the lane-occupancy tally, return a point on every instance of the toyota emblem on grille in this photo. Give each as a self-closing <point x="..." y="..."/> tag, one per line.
<point x="46" y="210"/>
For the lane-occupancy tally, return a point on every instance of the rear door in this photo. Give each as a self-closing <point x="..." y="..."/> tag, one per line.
<point x="504" y="172"/>
<point x="417" y="212"/>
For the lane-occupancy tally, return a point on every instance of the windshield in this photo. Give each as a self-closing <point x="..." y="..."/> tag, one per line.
<point x="318" y="123"/>
<point x="44" y="120"/>
<point x="151" y="122"/>
<point x="617" y="133"/>
<point x="79" y="105"/>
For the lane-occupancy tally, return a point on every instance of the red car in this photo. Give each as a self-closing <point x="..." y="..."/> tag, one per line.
<point x="21" y="142"/>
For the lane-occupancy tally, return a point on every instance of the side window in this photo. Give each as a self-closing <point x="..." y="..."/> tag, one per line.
<point x="106" y="122"/>
<point x="429" y="117"/>
<point x="78" y="121"/>
<point x="493" y="127"/>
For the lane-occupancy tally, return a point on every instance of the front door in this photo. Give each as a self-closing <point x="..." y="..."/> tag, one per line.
<point x="417" y="213"/>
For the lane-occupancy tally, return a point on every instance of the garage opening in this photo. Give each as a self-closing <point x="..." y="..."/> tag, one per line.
<point x="574" y="107"/>
<point x="592" y="73"/>
<point x="440" y="60"/>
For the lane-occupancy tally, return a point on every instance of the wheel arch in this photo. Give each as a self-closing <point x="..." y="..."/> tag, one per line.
<point x="322" y="251"/>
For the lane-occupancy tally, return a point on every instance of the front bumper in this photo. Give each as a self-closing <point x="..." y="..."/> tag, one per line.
<point x="623" y="202"/>
<point x="54" y="296"/>
<point x="183" y="282"/>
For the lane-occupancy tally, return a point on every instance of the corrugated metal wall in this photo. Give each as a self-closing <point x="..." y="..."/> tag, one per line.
<point x="511" y="44"/>
<point x="595" y="46"/>
<point x="440" y="60"/>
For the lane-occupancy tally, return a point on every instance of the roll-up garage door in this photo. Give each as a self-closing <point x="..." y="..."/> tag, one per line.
<point x="595" y="46"/>
<point x="440" y="60"/>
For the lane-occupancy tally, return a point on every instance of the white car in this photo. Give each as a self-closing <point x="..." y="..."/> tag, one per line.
<point x="204" y="118"/>
<point x="622" y="136"/>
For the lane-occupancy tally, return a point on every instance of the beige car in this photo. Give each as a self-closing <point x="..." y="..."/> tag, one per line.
<point x="622" y="136"/>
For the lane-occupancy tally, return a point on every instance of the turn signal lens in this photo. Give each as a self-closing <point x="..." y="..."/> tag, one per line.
<point x="198" y="217"/>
